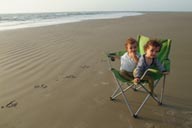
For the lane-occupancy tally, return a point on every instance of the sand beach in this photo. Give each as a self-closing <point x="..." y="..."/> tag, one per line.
<point x="57" y="76"/>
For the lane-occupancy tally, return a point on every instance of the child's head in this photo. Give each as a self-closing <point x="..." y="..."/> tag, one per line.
<point x="131" y="45"/>
<point x="152" y="47"/>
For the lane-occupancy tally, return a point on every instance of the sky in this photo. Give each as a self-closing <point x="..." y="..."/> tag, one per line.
<point x="29" y="6"/>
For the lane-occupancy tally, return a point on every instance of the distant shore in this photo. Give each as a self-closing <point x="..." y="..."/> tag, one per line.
<point x="28" y="20"/>
<point x="57" y="76"/>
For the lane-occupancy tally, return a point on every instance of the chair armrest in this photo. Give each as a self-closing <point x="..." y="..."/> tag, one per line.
<point x="154" y="73"/>
<point x="112" y="56"/>
<point x="115" y="55"/>
<point x="167" y="64"/>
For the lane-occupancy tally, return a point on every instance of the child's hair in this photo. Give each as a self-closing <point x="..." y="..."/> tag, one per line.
<point x="130" y="41"/>
<point x="153" y="43"/>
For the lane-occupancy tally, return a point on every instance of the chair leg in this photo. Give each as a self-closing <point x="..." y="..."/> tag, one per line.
<point x="120" y="91"/>
<point x="155" y="98"/>
<point x="162" y="90"/>
<point x="124" y="97"/>
<point x="144" y="101"/>
<point x="134" y="88"/>
<point x="116" y="93"/>
<point x="140" y="107"/>
<point x="135" y="116"/>
<point x="138" y="88"/>
<point x="113" y="96"/>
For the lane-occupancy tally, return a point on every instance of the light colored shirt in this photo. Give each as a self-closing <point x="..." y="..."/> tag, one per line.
<point x="127" y="63"/>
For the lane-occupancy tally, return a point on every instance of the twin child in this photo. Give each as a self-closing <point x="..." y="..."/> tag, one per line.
<point x="133" y="65"/>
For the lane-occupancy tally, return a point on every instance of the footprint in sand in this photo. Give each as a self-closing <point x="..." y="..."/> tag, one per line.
<point x="103" y="60"/>
<point x="95" y="84"/>
<point x="80" y="125"/>
<point x="170" y="113"/>
<point x="40" y="86"/>
<point x="188" y="124"/>
<point x="188" y="121"/>
<point x="105" y="83"/>
<point x="99" y="100"/>
<point x="188" y="113"/>
<point x="84" y="66"/>
<point x="100" y="72"/>
<point x="150" y="125"/>
<point x="57" y="79"/>
<point x="70" y="76"/>
<point x="158" y="112"/>
<point x="11" y="104"/>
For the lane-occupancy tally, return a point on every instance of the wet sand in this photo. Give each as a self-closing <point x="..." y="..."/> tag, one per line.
<point x="58" y="77"/>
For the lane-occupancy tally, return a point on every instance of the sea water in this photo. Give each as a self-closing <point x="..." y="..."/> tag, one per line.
<point x="24" y="20"/>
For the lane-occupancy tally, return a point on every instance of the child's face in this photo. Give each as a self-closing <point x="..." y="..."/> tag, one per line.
<point x="132" y="48"/>
<point x="151" y="51"/>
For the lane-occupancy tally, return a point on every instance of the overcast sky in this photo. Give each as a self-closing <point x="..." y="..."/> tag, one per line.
<point x="15" y="6"/>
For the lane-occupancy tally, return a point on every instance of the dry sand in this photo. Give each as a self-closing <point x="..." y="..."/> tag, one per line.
<point x="58" y="77"/>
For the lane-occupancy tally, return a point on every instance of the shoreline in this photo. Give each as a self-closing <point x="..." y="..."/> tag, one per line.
<point x="56" y="24"/>
<point x="82" y="20"/>
<point x="28" y="20"/>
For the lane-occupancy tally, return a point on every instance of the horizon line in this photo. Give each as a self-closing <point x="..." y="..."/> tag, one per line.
<point x="88" y="11"/>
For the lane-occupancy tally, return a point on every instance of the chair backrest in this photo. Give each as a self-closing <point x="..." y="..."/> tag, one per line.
<point x="165" y="49"/>
<point x="163" y="55"/>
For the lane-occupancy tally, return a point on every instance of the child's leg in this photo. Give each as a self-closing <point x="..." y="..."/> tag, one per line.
<point x="126" y="75"/>
<point x="150" y="83"/>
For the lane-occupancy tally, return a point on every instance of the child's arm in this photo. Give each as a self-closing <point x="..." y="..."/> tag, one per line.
<point x="134" y="56"/>
<point x="139" y="70"/>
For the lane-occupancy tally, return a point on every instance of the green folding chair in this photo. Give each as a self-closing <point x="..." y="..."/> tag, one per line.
<point x="163" y="57"/>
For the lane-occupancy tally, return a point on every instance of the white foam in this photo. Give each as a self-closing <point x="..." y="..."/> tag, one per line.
<point x="36" y="20"/>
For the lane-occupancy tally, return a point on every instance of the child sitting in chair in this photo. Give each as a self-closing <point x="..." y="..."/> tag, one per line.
<point x="149" y="60"/>
<point x="130" y="59"/>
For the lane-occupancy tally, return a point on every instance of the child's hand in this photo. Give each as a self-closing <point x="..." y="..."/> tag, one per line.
<point x="133" y="55"/>
<point x="136" y="80"/>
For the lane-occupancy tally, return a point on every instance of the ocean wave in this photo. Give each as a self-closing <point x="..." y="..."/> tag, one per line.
<point x="15" y="21"/>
